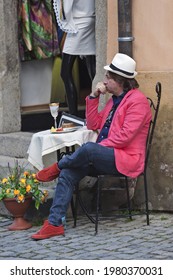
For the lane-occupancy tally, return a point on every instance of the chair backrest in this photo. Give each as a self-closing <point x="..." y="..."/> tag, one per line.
<point x="155" y="109"/>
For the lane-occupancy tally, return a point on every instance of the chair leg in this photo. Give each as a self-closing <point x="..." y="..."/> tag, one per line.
<point x="79" y="201"/>
<point x="85" y="209"/>
<point x="128" y="199"/>
<point x="97" y="207"/>
<point x="146" y="198"/>
<point x="75" y="206"/>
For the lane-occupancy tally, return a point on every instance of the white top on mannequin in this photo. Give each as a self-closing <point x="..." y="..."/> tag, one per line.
<point x="78" y="23"/>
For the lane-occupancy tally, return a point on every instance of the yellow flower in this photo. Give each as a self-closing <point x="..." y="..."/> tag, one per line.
<point x="20" y="198"/>
<point x="36" y="181"/>
<point x="45" y="193"/>
<point x="4" y="180"/>
<point x="16" y="192"/>
<point x="12" y="177"/>
<point x="8" y="191"/>
<point x="28" y="188"/>
<point x="26" y="173"/>
<point x="19" y="183"/>
<point x="23" y="180"/>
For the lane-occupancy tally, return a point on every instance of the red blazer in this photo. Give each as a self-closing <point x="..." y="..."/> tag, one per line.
<point x="128" y="130"/>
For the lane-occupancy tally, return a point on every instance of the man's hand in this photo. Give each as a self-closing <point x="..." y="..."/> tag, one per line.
<point x="100" y="89"/>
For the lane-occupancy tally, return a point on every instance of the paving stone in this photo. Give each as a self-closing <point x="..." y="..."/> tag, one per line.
<point x="116" y="239"/>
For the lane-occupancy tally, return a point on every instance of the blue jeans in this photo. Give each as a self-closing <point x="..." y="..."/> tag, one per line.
<point x="73" y="168"/>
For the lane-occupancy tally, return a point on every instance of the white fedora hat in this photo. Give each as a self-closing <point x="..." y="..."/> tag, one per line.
<point x="122" y="65"/>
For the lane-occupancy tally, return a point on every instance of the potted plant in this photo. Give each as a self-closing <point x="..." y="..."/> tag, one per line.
<point x="17" y="190"/>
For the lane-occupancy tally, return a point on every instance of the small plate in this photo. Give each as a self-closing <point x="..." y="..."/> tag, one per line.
<point x="66" y="130"/>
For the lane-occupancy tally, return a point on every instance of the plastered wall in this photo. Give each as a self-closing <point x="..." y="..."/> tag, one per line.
<point x="152" y="23"/>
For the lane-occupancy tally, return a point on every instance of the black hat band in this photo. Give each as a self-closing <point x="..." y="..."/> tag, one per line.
<point x="122" y="71"/>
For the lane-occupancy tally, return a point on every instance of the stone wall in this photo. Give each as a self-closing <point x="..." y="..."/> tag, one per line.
<point x="10" y="118"/>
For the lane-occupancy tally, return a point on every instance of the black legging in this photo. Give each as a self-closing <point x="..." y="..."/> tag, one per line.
<point x="66" y="74"/>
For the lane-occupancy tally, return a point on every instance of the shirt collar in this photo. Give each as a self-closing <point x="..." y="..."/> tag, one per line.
<point x="118" y="98"/>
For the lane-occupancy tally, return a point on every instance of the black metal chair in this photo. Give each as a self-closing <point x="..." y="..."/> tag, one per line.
<point x="155" y="108"/>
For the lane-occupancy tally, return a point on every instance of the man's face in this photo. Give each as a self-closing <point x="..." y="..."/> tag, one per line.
<point x="111" y="85"/>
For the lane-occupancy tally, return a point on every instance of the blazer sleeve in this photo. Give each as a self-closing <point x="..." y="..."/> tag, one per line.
<point x="94" y="118"/>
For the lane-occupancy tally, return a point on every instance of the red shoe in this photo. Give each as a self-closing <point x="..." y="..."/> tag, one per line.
<point x="48" y="174"/>
<point x="48" y="231"/>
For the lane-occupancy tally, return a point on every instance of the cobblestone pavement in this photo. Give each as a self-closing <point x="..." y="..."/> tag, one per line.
<point x="118" y="239"/>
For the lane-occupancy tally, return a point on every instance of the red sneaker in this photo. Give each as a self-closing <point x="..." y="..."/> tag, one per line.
<point x="48" y="231"/>
<point x="48" y="174"/>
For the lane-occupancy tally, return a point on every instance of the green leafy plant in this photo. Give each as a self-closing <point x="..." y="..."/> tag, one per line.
<point x="19" y="184"/>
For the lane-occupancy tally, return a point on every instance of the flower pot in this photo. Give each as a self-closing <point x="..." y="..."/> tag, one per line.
<point x="18" y="211"/>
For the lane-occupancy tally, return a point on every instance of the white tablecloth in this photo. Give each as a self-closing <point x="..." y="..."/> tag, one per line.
<point x="44" y="144"/>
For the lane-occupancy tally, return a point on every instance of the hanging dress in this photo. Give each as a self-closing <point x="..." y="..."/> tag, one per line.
<point x="37" y="30"/>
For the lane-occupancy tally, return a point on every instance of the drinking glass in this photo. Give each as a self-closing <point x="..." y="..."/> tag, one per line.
<point x="54" y="108"/>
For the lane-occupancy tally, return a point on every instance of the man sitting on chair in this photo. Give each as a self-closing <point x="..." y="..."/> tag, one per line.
<point x="120" y="148"/>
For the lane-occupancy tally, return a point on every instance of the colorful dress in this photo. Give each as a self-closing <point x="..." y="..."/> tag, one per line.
<point x="37" y="29"/>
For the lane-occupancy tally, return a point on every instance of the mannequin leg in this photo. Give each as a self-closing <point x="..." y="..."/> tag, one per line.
<point x="91" y="65"/>
<point x="67" y="77"/>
